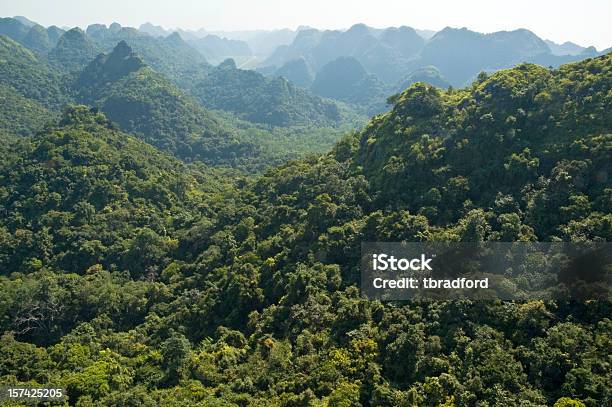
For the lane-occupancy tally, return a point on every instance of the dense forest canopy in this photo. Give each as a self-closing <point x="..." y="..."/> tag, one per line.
<point x="144" y="102"/>
<point x="29" y="76"/>
<point x="131" y="276"/>
<point x="259" y="99"/>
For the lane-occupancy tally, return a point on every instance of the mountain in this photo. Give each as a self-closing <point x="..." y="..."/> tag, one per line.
<point x="261" y="42"/>
<point x="153" y="30"/>
<point x="529" y="137"/>
<point x="427" y="74"/>
<point x="296" y="71"/>
<point x="301" y="46"/>
<point x="352" y="42"/>
<point x="32" y="36"/>
<point x="37" y="39"/>
<point x="25" y="21"/>
<point x="217" y="49"/>
<point x="567" y="48"/>
<point x="54" y="33"/>
<point x="426" y="34"/>
<point x="170" y="56"/>
<point x="187" y="35"/>
<point x="107" y="69"/>
<point x="86" y="167"/>
<point x="13" y="28"/>
<point x="393" y="53"/>
<point x="384" y="53"/>
<point x="346" y="80"/>
<point x="403" y="39"/>
<point x="74" y="50"/>
<point x="556" y="60"/>
<point x="253" y="97"/>
<point x="30" y="76"/>
<point x="460" y="54"/>
<point x="143" y="102"/>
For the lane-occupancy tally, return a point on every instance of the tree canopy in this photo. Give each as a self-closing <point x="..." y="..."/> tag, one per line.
<point x="130" y="277"/>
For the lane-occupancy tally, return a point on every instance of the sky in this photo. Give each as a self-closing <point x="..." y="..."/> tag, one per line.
<point x="585" y="22"/>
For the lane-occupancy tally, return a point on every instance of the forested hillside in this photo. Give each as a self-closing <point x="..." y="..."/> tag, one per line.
<point x="259" y="99"/>
<point x="30" y="34"/>
<point x="147" y="104"/>
<point x="68" y="188"/>
<point x="29" y="76"/>
<point x="246" y="94"/>
<point x="170" y="56"/>
<point x="131" y="278"/>
<point x="20" y="115"/>
<point x="144" y="103"/>
<point x="428" y="74"/>
<point x="73" y="51"/>
<point x="297" y="71"/>
<point x="546" y="137"/>
<point x="346" y="80"/>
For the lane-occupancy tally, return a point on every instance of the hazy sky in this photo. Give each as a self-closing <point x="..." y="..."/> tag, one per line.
<point x="586" y="22"/>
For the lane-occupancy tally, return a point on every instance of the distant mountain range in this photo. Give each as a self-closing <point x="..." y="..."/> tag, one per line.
<point x="398" y="57"/>
<point x="30" y="34"/>
<point x="361" y="66"/>
<point x="393" y="53"/>
<point x="567" y="48"/>
<point x="261" y="42"/>
<point x="216" y="49"/>
<point x="248" y="94"/>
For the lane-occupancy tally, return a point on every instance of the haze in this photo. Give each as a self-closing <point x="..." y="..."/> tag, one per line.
<point x="588" y="22"/>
